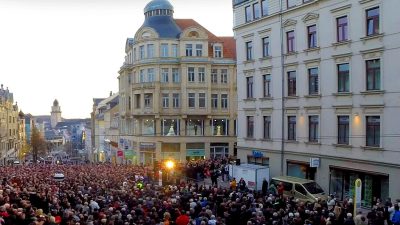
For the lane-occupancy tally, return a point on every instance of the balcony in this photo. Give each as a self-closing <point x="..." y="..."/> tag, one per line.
<point x="145" y="85"/>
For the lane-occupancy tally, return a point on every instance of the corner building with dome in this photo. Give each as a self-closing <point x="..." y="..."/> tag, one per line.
<point x="177" y="90"/>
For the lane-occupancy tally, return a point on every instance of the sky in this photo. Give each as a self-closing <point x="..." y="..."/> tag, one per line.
<point x="71" y="50"/>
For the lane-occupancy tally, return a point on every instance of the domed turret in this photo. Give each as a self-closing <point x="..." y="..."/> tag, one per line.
<point x="159" y="16"/>
<point x="55" y="103"/>
<point x="158" y="8"/>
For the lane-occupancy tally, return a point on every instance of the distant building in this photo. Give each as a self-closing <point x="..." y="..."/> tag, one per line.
<point x="10" y="127"/>
<point x="55" y="114"/>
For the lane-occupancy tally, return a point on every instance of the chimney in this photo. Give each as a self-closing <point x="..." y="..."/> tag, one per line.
<point x="111" y="93"/>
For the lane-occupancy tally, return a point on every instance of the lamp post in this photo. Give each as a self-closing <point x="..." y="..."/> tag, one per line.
<point x="59" y="177"/>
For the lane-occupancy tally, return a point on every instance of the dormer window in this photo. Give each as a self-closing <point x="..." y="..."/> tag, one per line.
<point x="217" y="51"/>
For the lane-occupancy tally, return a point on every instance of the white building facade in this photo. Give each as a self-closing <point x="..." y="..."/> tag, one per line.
<point x="317" y="82"/>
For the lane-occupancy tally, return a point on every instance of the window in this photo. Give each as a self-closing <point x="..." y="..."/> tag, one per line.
<point x="164" y="50"/>
<point x="191" y="100"/>
<point x="265" y="44"/>
<point x="313" y="122"/>
<point x="373" y="132"/>
<point x="150" y="75"/>
<point x="201" y="74"/>
<point x="343" y="78"/>
<point x="202" y="100"/>
<point x="164" y="75"/>
<point x="176" y="100"/>
<point x="189" y="50"/>
<point x="199" y="50"/>
<point x="312" y="36"/>
<point x="313" y="84"/>
<point x="219" y="127"/>
<point x="214" y="101"/>
<point x="250" y="126"/>
<point x="249" y="14"/>
<point x="373" y="75"/>
<point x="290" y="41"/>
<point x="267" y="85"/>
<point x="267" y="127"/>
<point x="141" y="52"/>
<point x="129" y="103"/>
<point x="300" y="189"/>
<point x="141" y="76"/>
<point x="174" y="50"/>
<point x="148" y="127"/>
<point x="264" y="6"/>
<point x="217" y="51"/>
<point x="249" y="87"/>
<point x="194" y="127"/>
<point x="291" y="3"/>
<point x="342" y="29"/>
<point x="292" y="128"/>
<point x="137" y="101"/>
<point x="224" y="101"/>
<point x="214" y="76"/>
<point x="256" y="10"/>
<point x="249" y="50"/>
<point x="224" y="76"/>
<point x="343" y="130"/>
<point x="191" y="74"/>
<point x="175" y="75"/>
<point x="165" y="100"/>
<point x="134" y="54"/>
<point x="292" y="83"/>
<point x="373" y="21"/>
<point x="148" y="98"/>
<point x="150" y="51"/>
<point x="170" y="127"/>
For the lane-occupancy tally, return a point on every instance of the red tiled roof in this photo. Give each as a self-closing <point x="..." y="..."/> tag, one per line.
<point x="229" y="44"/>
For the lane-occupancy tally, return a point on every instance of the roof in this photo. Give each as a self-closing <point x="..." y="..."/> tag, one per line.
<point x="229" y="43"/>
<point x="293" y="179"/>
<point x="165" y="26"/>
<point x="158" y="4"/>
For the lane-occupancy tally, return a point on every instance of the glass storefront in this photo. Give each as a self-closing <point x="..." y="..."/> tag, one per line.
<point x="342" y="184"/>
<point x="170" y="151"/>
<point x="194" y="127"/>
<point x="219" y="150"/>
<point x="301" y="170"/>
<point x="170" y="127"/>
<point x="195" y="151"/>
<point x="219" y="127"/>
<point x="148" y="127"/>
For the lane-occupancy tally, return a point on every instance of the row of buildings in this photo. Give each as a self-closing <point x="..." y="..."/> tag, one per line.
<point x="12" y="127"/>
<point x="306" y="87"/>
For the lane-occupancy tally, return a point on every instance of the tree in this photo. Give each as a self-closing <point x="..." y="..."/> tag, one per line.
<point x="25" y="150"/>
<point x="39" y="146"/>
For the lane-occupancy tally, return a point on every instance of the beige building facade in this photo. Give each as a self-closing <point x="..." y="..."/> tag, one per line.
<point x="177" y="90"/>
<point x="318" y="92"/>
<point x="11" y="127"/>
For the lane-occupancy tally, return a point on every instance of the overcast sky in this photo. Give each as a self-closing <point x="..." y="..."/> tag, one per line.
<point x="72" y="49"/>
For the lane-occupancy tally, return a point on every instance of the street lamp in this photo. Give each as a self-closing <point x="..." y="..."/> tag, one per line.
<point x="59" y="177"/>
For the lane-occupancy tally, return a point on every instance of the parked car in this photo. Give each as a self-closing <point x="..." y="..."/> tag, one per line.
<point x="302" y="189"/>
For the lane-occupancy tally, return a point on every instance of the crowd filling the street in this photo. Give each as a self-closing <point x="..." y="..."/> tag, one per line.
<point x="106" y="194"/>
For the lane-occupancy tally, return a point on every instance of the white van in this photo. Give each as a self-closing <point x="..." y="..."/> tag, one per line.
<point x="302" y="189"/>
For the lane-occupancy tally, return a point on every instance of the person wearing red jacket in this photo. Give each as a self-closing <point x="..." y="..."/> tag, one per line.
<point x="183" y="219"/>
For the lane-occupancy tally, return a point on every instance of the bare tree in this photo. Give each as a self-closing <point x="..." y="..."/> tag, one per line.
<point x="38" y="144"/>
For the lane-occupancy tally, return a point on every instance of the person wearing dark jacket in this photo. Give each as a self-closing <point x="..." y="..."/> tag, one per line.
<point x="264" y="187"/>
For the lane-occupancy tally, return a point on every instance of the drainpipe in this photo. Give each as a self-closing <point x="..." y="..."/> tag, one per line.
<point x="282" y="89"/>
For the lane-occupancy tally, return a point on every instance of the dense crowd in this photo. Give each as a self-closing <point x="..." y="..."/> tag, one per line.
<point x="125" y="195"/>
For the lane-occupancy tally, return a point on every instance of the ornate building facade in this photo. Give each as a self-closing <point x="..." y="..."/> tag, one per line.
<point x="177" y="90"/>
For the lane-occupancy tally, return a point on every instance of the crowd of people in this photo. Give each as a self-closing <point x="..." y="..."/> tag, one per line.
<point x="125" y="195"/>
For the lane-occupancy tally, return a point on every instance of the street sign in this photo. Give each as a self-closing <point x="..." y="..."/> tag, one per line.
<point x="314" y="162"/>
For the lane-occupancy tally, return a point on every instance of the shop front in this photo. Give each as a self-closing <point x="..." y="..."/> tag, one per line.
<point x="300" y="169"/>
<point x="171" y="151"/>
<point x="219" y="150"/>
<point x="195" y="151"/>
<point x="147" y="153"/>
<point x="374" y="185"/>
